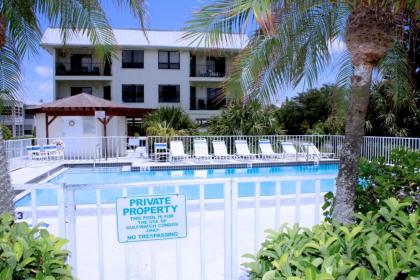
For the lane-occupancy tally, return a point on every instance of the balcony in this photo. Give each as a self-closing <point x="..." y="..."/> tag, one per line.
<point x="84" y="69"/>
<point x="208" y="71"/>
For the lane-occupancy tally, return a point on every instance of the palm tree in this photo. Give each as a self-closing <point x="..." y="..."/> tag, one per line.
<point x="20" y="34"/>
<point x="291" y="43"/>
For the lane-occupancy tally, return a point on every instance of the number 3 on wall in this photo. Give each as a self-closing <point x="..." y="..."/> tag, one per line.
<point x="19" y="215"/>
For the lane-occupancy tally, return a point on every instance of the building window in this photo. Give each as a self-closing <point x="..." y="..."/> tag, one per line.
<point x="215" y="99"/>
<point x="169" y="60"/>
<point x="77" y="90"/>
<point x="133" y="93"/>
<point x="169" y="94"/>
<point x="132" y="59"/>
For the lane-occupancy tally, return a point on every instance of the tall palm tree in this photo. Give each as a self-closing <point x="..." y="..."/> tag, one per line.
<point x="292" y="42"/>
<point x="20" y="34"/>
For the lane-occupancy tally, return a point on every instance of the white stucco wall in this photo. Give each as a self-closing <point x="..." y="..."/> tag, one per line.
<point x="150" y="76"/>
<point x="79" y="127"/>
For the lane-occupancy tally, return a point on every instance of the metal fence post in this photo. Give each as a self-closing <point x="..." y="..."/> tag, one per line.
<point x="71" y="229"/>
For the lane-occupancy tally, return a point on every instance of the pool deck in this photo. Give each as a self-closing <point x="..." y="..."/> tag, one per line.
<point x="38" y="171"/>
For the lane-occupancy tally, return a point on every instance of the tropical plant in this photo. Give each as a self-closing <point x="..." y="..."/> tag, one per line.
<point x="310" y="110"/>
<point x="7" y="134"/>
<point x="379" y="180"/>
<point x="20" y="35"/>
<point x="245" y="118"/>
<point x="31" y="252"/>
<point x="292" y="43"/>
<point x="385" y="118"/>
<point x="379" y="245"/>
<point x="169" y="121"/>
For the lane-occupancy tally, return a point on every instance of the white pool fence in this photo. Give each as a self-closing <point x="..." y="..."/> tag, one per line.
<point x="220" y="230"/>
<point x="95" y="149"/>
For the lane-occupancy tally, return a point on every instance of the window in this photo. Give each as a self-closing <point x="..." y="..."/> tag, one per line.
<point x="169" y="60"/>
<point x="169" y="94"/>
<point x="133" y="93"/>
<point x="132" y="59"/>
<point x="77" y="90"/>
<point x="215" y="99"/>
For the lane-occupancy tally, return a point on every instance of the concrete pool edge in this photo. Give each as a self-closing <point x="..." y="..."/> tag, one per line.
<point x="176" y="166"/>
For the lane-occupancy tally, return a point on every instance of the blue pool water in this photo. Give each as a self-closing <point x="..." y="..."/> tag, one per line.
<point x="114" y="175"/>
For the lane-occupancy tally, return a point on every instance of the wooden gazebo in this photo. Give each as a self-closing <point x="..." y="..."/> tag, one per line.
<point x="84" y="104"/>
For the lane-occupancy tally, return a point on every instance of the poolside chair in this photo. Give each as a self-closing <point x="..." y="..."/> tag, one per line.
<point x="201" y="149"/>
<point x="267" y="149"/>
<point x="220" y="150"/>
<point x="53" y="152"/>
<point x="289" y="150"/>
<point x="312" y="152"/>
<point x="242" y="149"/>
<point x="35" y="152"/>
<point x="177" y="151"/>
<point x="161" y="151"/>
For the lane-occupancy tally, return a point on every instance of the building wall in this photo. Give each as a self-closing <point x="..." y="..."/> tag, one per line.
<point x="63" y="88"/>
<point x="150" y="76"/>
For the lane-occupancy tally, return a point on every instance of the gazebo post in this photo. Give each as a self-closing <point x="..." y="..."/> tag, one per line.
<point x="47" y="124"/>
<point x="104" y="122"/>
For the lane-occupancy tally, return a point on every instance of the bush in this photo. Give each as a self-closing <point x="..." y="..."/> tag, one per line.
<point x="379" y="181"/>
<point x="381" y="245"/>
<point x="31" y="253"/>
<point x="169" y="121"/>
<point x="245" y="118"/>
<point x="7" y="134"/>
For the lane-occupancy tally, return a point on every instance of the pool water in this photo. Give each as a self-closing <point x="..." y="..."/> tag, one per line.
<point x="114" y="175"/>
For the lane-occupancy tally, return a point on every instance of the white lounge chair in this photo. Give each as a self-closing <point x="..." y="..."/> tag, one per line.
<point x="289" y="150"/>
<point x="242" y="149"/>
<point x="161" y="151"/>
<point x="220" y="151"/>
<point x="35" y="152"/>
<point x="53" y="152"/>
<point x="201" y="149"/>
<point x="267" y="149"/>
<point x="312" y="152"/>
<point x="177" y="151"/>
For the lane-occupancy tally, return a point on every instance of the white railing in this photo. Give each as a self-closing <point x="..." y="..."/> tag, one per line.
<point x="220" y="230"/>
<point x="95" y="149"/>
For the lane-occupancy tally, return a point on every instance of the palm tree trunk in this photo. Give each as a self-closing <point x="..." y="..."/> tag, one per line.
<point x="350" y="152"/>
<point x="6" y="191"/>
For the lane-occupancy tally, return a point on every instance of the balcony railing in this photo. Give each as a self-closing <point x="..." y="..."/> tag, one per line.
<point x="85" y="69"/>
<point x="202" y="70"/>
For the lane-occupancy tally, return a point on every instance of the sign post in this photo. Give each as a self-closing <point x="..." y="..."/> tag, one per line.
<point x="153" y="217"/>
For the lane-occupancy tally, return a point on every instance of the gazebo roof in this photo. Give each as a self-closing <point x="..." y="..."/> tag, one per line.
<point x="84" y="104"/>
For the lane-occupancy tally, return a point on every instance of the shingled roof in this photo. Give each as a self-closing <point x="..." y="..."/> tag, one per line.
<point x="84" y="104"/>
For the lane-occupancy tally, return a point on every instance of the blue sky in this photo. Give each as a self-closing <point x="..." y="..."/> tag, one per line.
<point x="162" y="14"/>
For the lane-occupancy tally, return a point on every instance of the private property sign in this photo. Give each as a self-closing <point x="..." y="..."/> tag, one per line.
<point x="153" y="217"/>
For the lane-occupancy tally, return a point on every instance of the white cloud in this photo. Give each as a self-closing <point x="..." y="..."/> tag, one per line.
<point x="43" y="71"/>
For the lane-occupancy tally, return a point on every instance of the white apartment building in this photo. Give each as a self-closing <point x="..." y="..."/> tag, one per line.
<point x="160" y="70"/>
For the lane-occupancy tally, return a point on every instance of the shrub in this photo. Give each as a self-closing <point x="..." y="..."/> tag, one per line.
<point x="31" y="253"/>
<point x="381" y="245"/>
<point x="379" y="181"/>
<point x="7" y="134"/>
<point x="169" y="121"/>
<point x="245" y="118"/>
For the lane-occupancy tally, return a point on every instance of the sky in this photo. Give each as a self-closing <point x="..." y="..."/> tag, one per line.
<point x="162" y="14"/>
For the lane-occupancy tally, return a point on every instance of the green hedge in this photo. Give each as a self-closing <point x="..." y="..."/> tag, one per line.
<point x="381" y="245"/>
<point x="379" y="180"/>
<point x="31" y="253"/>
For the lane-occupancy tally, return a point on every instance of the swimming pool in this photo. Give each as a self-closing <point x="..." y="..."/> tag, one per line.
<point x="114" y="175"/>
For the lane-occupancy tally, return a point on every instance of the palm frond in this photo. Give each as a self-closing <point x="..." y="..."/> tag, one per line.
<point x="22" y="25"/>
<point x="395" y="68"/>
<point x="86" y="17"/>
<point x="214" y="24"/>
<point x="297" y="52"/>
<point x="10" y="77"/>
